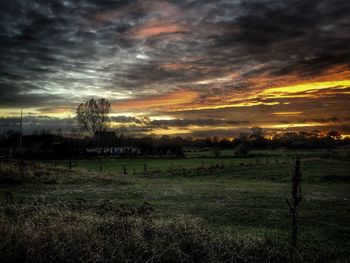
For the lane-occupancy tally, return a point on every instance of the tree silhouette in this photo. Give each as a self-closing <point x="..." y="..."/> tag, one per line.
<point x="256" y="133"/>
<point x="92" y="116"/>
<point x="243" y="146"/>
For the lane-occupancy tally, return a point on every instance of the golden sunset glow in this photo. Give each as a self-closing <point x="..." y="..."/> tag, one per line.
<point x="166" y="100"/>
<point x="241" y="104"/>
<point x="278" y="92"/>
<point x="287" y="113"/>
<point x="295" y="125"/>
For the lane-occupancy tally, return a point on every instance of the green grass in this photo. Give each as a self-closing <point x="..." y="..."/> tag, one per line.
<point x="244" y="200"/>
<point x="205" y="158"/>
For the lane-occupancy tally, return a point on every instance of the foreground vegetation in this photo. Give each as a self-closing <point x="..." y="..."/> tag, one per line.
<point x="199" y="209"/>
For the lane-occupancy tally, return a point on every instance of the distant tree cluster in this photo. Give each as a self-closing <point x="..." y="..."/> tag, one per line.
<point x="46" y="144"/>
<point x="163" y="146"/>
<point x="92" y="118"/>
<point x="307" y="140"/>
<point x="294" y="140"/>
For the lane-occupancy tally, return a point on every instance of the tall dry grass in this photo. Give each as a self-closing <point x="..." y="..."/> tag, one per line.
<point x="16" y="173"/>
<point x="44" y="233"/>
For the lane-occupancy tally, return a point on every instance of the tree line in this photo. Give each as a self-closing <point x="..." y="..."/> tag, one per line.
<point x="47" y="144"/>
<point x="92" y="119"/>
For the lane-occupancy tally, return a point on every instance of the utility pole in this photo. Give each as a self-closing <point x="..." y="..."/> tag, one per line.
<point x="69" y="155"/>
<point x="20" y="132"/>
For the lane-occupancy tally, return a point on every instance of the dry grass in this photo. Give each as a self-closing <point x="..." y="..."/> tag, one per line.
<point x="16" y="173"/>
<point x="42" y="233"/>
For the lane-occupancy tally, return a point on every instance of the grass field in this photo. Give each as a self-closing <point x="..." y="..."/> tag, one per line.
<point x="243" y="197"/>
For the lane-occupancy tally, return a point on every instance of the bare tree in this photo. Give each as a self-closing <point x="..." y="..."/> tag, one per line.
<point x="121" y="131"/>
<point x="92" y="115"/>
<point x="256" y="133"/>
<point x="243" y="146"/>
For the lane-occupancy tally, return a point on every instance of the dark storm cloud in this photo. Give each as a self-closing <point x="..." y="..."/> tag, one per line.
<point x="342" y="129"/>
<point x="56" y="53"/>
<point x="136" y="125"/>
<point x="254" y="38"/>
<point x="303" y="37"/>
<point x="126" y="119"/>
<point x="36" y="123"/>
<point x="54" y="48"/>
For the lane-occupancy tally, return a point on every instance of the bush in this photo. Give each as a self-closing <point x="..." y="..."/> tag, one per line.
<point x="242" y="149"/>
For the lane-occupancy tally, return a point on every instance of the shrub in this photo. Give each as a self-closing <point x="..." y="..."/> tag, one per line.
<point x="242" y="149"/>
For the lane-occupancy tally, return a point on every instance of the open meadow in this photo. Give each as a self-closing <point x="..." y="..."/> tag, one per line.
<point x="243" y="199"/>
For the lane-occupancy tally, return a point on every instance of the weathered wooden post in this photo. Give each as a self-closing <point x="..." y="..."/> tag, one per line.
<point x="145" y="167"/>
<point x="10" y="155"/>
<point x="293" y="203"/>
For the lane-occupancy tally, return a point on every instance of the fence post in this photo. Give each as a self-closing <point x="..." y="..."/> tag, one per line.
<point x="293" y="203"/>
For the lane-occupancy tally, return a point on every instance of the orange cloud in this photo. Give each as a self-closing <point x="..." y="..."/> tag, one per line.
<point x="267" y="96"/>
<point x="155" y="28"/>
<point x="184" y="66"/>
<point x="176" y="66"/>
<point x="170" y="99"/>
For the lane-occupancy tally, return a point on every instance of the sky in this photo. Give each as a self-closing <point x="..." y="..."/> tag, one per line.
<point x="188" y="67"/>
